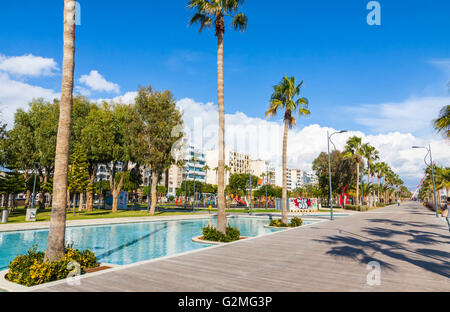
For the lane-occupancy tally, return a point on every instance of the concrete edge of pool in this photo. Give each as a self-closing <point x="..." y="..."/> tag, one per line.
<point x="13" y="287"/>
<point x="43" y="225"/>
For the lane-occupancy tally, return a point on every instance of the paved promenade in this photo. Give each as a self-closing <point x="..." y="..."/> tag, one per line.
<point x="410" y="243"/>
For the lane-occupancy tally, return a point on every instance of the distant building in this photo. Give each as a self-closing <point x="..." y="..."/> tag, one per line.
<point x="236" y="162"/>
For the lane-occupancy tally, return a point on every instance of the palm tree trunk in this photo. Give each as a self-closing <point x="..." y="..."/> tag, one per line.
<point x="56" y="237"/>
<point x="357" y="183"/>
<point x="284" y="193"/>
<point x="154" y="188"/>
<point x="221" y="215"/>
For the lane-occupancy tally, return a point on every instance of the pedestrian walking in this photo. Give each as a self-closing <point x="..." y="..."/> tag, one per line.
<point x="446" y="215"/>
<point x="398" y="202"/>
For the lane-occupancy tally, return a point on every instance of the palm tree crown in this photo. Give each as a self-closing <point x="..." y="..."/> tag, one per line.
<point x="284" y="97"/>
<point x="442" y="123"/>
<point x="214" y="11"/>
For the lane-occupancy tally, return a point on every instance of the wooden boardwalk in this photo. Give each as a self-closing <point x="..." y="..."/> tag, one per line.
<point x="409" y="242"/>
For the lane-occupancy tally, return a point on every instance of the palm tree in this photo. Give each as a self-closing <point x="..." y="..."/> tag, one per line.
<point x="206" y="168"/>
<point x="370" y="153"/>
<point x="214" y="12"/>
<point x="283" y="98"/>
<point x="442" y="123"/>
<point x="56" y="237"/>
<point x="353" y="150"/>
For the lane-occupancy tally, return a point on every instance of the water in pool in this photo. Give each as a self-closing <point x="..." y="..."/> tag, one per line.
<point x="127" y="243"/>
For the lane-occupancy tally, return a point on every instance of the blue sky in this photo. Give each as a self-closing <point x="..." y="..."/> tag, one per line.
<point x="350" y="70"/>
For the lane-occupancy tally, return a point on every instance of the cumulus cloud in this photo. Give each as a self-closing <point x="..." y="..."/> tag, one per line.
<point x="127" y="98"/>
<point x="16" y="94"/>
<point x="412" y="115"/>
<point x="96" y="82"/>
<point x="262" y="139"/>
<point x="28" y="65"/>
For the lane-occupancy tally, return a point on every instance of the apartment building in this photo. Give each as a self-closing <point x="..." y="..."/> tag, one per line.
<point x="236" y="162"/>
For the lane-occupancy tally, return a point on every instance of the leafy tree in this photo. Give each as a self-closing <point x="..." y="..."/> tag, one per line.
<point x="208" y="13"/>
<point x="284" y="98"/>
<point x="343" y="172"/>
<point x="161" y="127"/>
<point x="78" y="175"/>
<point x="240" y="182"/>
<point x="10" y="184"/>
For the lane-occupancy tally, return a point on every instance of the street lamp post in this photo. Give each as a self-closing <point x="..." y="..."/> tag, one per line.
<point x="267" y="182"/>
<point x="329" y="169"/>
<point x="432" y="175"/>
<point x="251" y="201"/>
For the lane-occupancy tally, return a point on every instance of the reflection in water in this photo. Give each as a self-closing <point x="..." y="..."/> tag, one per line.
<point x="127" y="243"/>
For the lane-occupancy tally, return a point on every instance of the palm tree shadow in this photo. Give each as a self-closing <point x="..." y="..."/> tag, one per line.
<point x="119" y="248"/>
<point x="357" y="247"/>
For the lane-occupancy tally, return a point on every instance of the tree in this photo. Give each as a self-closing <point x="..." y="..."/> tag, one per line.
<point x="353" y="150"/>
<point x="214" y="12"/>
<point x="442" y="123"/>
<point x="161" y="127"/>
<point x="283" y="97"/>
<point x="78" y="176"/>
<point x="56" y="237"/>
<point x="240" y="183"/>
<point x="129" y="146"/>
<point x="371" y="154"/>
<point x="343" y="172"/>
<point x="10" y="184"/>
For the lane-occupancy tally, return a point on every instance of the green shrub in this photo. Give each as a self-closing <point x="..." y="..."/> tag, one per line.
<point x="295" y="222"/>
<point x="211" y="234"/>
<point x="277" y="223"/>
<point x="31" y="270"/>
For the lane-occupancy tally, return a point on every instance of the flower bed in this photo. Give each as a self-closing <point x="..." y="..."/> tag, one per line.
<point x="31" y="270"/>
<point x="295" y="222"/>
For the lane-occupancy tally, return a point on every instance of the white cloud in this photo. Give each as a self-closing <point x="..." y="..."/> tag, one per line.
<point x="28" y="65"/>
<point x="17" y="94"/>
<point x="412" y="115"/>
<point x="96" y="82"/>
<point x="127" y="98"/>
<point x="262" y="139"/>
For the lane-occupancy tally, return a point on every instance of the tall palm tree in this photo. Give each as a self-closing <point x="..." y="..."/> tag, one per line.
<point x="442" y="123"/>
<point x="56" y="237"/>
<point x="283" y="97"/>
<point x="211" y="12"/>
<point x="353" y="150"/>
<point x="370" y="153"/>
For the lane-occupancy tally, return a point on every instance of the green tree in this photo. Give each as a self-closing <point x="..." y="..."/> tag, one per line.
<point x="343" y="172"/>
<point x="78" y="175"/>
<point x="161" y="127"/>
<point x="284" y="98"/>
<point x="209" y="12"/>
<point x="240" y="182"/>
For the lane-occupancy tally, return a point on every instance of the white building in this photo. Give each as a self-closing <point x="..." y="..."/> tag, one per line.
<point x="294" y="178"/>
<point x="236" y="162"/>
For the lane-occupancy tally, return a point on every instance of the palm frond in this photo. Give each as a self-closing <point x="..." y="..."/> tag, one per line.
<point x="240" y="22"/>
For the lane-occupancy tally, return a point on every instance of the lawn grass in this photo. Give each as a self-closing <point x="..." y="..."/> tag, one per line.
<point x="18" y="215"/>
